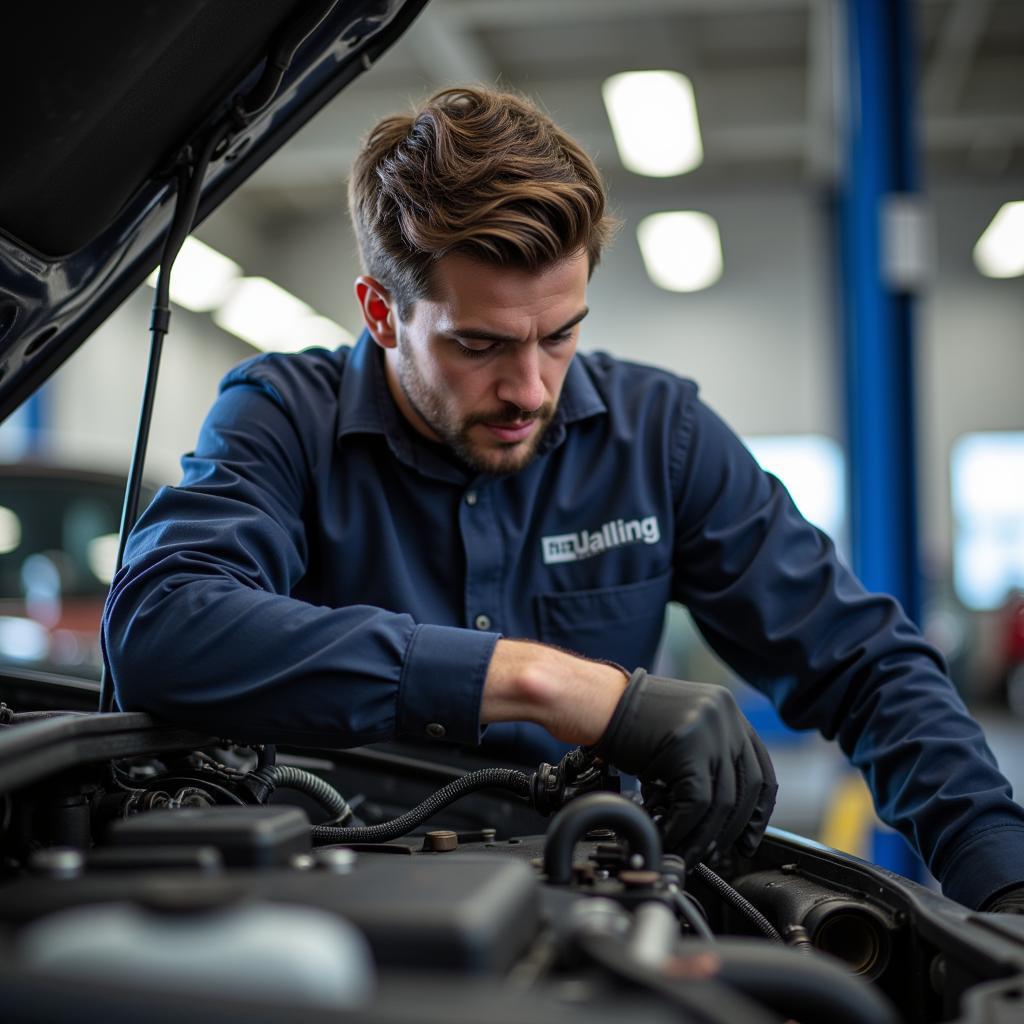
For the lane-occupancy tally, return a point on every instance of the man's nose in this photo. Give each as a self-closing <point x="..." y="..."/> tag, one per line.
<point x="521" y="384"/>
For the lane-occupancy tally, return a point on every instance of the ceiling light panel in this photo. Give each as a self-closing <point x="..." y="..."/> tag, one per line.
<point x="682" y="250"/>
<point x="318" y="331"/>
<point x="201" y="277"/>
<point x="264" y="314"/>
<point x="654" y="120"/>
<point x="1000" y="250"/>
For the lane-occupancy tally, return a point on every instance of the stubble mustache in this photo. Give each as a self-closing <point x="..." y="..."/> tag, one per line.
<point x="511" y="416"/>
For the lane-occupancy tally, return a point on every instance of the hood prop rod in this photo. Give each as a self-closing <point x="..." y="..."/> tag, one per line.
<point x="191" y="172"/>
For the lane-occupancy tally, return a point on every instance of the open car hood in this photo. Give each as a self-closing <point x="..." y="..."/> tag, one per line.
<point x="100" y="101"/>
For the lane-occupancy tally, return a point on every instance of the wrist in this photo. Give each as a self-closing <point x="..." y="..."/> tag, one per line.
<point x="572" y="697"/>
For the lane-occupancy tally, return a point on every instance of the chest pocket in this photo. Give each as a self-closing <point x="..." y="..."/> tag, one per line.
<point x="621" y="624"/>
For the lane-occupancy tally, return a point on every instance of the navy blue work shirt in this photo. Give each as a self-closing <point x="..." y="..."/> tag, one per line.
<point x="325" y="576"/>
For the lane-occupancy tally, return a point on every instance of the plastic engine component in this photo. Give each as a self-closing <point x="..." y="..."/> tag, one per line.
<point x="460" y="912"/>
<point x="247" y="837"/>
<point x="301" y="955"/>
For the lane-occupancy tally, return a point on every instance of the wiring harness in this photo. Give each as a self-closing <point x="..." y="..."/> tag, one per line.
<point x="489" y="778"/>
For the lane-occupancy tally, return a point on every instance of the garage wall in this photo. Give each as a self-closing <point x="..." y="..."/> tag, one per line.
<point x="759" y="341"/>
<point x="93" y="402"/>
<point x="971" y="354"/>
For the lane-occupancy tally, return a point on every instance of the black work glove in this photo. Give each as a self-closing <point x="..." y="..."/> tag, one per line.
<point x="1009" y="902"/>
<point x="693" y="750"/>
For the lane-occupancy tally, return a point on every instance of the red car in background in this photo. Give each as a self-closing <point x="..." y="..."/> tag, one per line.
<point x="1011" y="633"/>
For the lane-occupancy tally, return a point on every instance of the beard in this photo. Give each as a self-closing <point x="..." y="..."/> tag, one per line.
<point x="454" y="431"/>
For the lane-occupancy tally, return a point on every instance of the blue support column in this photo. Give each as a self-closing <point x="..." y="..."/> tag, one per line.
<point x="877" y="318"/>
<point x="23" y="434"/>
<point x="35" y="422"/>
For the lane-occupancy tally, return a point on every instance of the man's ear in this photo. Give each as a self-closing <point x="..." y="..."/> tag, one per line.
<point x="378" y="312"/>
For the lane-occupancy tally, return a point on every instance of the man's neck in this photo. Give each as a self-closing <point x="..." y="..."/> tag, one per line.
<point x="401" y="399"/>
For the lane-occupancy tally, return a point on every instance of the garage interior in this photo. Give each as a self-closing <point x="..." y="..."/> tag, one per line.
<point x="767" y="340"/>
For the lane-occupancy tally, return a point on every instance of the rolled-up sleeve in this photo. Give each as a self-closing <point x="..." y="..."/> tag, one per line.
<point x="200" y="627"/>
<point x="770" y="595"/>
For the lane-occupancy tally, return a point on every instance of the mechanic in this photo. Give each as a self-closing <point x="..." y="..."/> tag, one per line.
<point x="358" y="533"/>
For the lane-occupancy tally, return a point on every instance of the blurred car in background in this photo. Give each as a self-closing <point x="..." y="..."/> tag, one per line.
<point x="58" y="546"/>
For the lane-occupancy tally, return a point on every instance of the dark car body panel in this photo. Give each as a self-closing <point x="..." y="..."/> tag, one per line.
<point x="61" y="275"/>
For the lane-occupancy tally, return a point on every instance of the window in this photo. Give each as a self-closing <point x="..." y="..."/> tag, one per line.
<point x="987" y="480"/>
<point x="813" y="470"/>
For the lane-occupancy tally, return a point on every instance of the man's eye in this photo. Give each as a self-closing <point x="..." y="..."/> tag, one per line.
<point x="482" y="349"/>
<point x="557" y="338"/>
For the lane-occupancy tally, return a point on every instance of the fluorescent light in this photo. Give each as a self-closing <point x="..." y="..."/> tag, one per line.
<point x="201" y="277"/>
<point x="319" y="331"/>
<point x="682" y="250"/>
<point x="1000" y="250"/>
<point x="253" y="308"/>
<point x="654" y="120"/>
<point x="263" y="314"/>
<point x="10" y="531"/>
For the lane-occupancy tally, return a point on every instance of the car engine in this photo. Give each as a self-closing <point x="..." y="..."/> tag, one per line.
<point x="149" y="872"/>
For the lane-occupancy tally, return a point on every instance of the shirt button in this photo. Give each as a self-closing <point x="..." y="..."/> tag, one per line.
<point x="471" y="498"/>
<point x="482" y="622"/>
<point x="435" y="730"/>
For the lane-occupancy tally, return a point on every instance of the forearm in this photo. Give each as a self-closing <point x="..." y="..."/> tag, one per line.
<point x="238" y="662"/>
<point x="573" y="698"/>
<point x="770" y="595"/>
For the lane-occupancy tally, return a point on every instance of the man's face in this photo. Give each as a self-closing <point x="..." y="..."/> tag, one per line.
<point x="480" y="365"/>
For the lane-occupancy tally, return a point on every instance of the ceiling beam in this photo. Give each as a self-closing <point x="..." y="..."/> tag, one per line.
<point x="508" y="13"/>
<point x="825" y="56"/>
<point x="961" y="34"/>
<point x="445" y="48"/>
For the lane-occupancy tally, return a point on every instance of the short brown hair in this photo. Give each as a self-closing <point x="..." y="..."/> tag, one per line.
<point x="477" y="172"/>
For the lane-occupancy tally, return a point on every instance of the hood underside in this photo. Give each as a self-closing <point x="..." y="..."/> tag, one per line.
<point x="101" y="102"/>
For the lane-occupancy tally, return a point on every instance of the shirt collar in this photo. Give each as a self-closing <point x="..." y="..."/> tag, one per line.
<point x="366" y="405"/>
<point x="363" y="386"/>
<point x="580" y="398"/>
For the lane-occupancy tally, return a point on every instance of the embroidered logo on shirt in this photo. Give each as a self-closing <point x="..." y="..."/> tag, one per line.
<point x="573" y="547"/>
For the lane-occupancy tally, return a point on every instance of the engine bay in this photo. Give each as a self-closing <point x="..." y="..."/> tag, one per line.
<point x="151" y="872"/>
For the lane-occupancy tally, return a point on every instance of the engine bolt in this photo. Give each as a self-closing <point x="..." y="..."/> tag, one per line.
<point x="441" y="840"/>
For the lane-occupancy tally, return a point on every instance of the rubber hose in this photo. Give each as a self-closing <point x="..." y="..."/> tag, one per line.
<point x="688" y="908"/>
<point x="312" y="785"/>
<point x="740" y="902"/>
<point x="703" y="997"/>
<point x="607" y="810"/>
<point x="489" y="778"/>
<point x="813" y="990"/>
<point x="281" y="55"/>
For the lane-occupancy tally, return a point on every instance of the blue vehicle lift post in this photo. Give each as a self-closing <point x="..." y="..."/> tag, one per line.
<point x="877" y="317"/>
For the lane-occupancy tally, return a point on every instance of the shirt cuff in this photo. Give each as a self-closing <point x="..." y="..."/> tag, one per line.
<point x="442" y="683"/>
<point x="989" y="861"/>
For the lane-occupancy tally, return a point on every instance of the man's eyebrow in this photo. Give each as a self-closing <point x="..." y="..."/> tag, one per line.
<point x="478" y="334"/>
